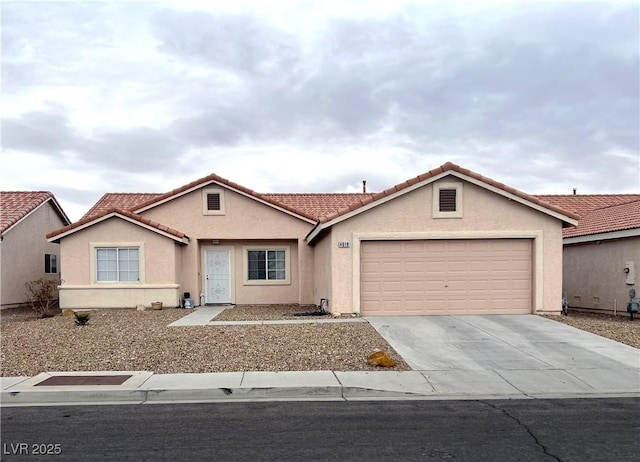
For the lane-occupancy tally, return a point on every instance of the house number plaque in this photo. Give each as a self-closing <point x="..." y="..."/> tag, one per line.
<point x="344" y="244"/>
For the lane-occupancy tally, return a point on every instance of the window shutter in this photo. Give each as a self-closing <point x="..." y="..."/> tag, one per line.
<point x="213" y="201"/>
<point x="447" y="200"/>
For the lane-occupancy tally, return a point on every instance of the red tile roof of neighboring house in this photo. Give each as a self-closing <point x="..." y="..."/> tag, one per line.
<point x="599" y="213"/>
<point x="126" y="213"/>
<point x="608" y="219"/>
<point x="122" y="201"/>
<point x="15" y="205"/>
<point x="449" y="166"/>
<point x="582" y="204"/>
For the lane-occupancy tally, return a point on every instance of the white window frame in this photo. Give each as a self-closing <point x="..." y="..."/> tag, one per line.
<point x="267" y="282"/>
<point x="207" y="191"/>
<point x="436" y="213"/>
<point x="94" y="246"/>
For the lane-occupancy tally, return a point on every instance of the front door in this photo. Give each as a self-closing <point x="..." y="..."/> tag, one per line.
<point x="217" y="266"/>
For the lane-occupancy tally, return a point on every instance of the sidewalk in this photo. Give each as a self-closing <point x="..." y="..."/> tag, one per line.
<point x="149" y="388"/>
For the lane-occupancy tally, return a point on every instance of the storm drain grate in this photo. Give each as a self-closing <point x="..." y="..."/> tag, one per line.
<point x="84" y="380"/>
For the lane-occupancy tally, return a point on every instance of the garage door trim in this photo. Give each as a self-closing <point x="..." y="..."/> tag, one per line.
<point x="535" y="235"/>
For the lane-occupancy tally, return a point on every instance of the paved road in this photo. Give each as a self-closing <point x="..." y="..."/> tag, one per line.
<point x="531" y="430"/>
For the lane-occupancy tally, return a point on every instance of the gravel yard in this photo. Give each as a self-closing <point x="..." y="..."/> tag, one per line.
<point x="142" y="340"/>
<point x="618" y="328"/>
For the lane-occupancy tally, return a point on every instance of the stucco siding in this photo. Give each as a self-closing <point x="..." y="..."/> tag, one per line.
<point x="322" y="269"/>
<point x="22" y="254"/>
<point x="485" y="215"/>
<point x="245" y="222"/>
<point x="594" y="276"/>
<point x="159" y="280"/>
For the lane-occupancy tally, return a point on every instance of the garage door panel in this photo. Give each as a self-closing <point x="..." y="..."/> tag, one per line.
<point x="446" y="277"/>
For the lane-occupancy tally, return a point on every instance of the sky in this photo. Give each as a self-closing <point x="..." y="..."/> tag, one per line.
<point x="316" y="96"/>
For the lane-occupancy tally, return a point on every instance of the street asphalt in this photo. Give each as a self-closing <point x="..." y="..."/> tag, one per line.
<point x="452" y="357"/>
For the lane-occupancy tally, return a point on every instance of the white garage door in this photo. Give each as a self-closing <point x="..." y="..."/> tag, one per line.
<point x="475" y="276"/>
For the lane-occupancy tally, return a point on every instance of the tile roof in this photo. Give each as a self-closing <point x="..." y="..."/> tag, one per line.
<point x="121" y="201"/>
<point x="318" y="205"/>
<point x="15" y="205"/>
<point x="623" y="214"/>
<point x="449" y="166"/>
<point x="114" y="212"/>
<point x="582" y="204"/>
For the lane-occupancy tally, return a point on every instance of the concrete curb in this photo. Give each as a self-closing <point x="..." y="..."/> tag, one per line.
<point x="147" y="388"/>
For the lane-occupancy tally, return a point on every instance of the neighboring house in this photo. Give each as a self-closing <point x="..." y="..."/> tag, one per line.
<point x="447" y="241"/>
<point x="602" y="254"/>
<point x="25" y="254"/>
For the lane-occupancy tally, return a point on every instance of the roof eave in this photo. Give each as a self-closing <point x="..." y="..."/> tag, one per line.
<point x="56" y="239"/>
<point x="56" y="205"/>
<point x="605" y="236"/>
<point x="226" y="186"/>
<point x="322" y="226"/>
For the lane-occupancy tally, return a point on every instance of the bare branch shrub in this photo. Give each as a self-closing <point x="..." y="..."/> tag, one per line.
<point x="42" y="295"/>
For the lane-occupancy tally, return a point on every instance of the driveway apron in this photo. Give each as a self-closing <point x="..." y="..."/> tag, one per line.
<point x="529" y="352"/>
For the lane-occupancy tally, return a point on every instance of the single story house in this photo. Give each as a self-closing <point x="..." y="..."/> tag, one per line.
<point x="602" y="254"/>
<point x="25" y="255"/>
<point x="449" y="241"/>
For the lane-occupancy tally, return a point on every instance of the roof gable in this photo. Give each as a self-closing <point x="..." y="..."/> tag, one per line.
<point x="370" y="201"/>
<point x="125" y="215"/>
<point x="218" y="180"/>
<point x="17" y="205"/>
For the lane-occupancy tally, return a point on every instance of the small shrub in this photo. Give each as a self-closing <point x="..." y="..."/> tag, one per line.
<point x="42" y="295"/>
<point x="82" y="318"/>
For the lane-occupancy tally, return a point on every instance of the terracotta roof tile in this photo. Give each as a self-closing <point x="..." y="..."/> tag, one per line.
<point x="317" y="205"/>
<point x="607" y="219"/>
<point x="122" y="201"/>
<point x="15" y="205"/>
<point x="582" y="204"/>
<point x="594" y="214"/>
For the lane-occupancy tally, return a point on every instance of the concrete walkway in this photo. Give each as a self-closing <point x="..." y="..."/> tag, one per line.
<point x="200" y="316"/>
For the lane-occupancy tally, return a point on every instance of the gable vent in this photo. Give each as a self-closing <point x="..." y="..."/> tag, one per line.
<point x="447" y="200"/>
<point x="213" y="201"/>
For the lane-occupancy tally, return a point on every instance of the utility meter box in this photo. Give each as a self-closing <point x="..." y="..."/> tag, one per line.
<point x="630" y="272"/>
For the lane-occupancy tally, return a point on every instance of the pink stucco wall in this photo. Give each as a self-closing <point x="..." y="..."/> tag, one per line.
<point x="22" y="252"/>
<point x="485" y="214"/>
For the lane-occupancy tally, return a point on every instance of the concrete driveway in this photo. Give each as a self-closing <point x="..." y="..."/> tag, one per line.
<point x="530" y="353"/>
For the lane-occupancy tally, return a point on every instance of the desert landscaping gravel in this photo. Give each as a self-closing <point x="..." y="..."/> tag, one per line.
<point x="142" y="340"/>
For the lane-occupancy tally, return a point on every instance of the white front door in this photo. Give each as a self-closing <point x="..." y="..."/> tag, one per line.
<point x="217" y="266"/>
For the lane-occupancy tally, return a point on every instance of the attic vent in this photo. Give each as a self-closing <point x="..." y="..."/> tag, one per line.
<point x="213" y="201"/>
<point x="447" y="200"/>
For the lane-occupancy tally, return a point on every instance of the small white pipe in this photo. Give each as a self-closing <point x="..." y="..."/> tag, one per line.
<point x="615" y="306"/>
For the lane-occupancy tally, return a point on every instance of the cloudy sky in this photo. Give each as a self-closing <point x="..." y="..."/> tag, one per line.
<point x="293" y="96"/>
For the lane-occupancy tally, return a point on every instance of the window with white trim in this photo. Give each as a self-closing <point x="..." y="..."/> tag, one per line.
<point x="50" y="264"/>
<point x="117" y="264"/>
<point x="265" y="265"/>
<point x="447" y="200"/>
